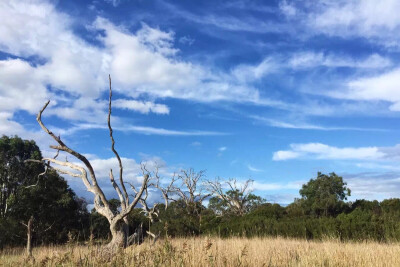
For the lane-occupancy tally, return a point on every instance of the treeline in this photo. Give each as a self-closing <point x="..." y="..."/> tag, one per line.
<point x="31" y="189"/>
<point x="361" y="220"/>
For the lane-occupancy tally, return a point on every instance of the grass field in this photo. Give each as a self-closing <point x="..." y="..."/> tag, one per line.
<point x="215" y="252"/>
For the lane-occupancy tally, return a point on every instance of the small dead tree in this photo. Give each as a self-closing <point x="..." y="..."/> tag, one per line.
<point x="153" y="213"/>
<point x="237" y="197"/>
<point x="29" y="230"/>
<point x="118" y="221"/>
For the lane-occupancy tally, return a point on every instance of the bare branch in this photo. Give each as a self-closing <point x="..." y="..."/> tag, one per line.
<point x="191" y="190"/>
<point x="46" y="166"/>
<point x="135" y="201"/>
<point x="63" y="147"/>
<point x="237" y="198"/>
<point x="125" y="202"/>
<point x="116" y="187"/>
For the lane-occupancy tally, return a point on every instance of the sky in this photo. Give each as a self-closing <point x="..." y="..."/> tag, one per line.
<point x="273" y="91"/>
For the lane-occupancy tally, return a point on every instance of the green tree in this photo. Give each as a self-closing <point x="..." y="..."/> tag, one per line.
<point x="14" y="171"/>
<point x="324" y="195"/>
<point x="24" y="193"/>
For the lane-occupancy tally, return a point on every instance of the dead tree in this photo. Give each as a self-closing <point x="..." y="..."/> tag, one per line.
<point x="118" y="221"/>
<point x="29" y="230"/>
<point x="235" y="196"/>
<point x="29" y="233"/>
<point x="153" y="213"/>
<point x="191" y="190"/>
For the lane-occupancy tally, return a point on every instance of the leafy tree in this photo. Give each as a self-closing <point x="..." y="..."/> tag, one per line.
<point x="324" y="195"/>
<point x="27" y="190"/>
<point x="296" y="208"/>
<point x="14" y="171"/>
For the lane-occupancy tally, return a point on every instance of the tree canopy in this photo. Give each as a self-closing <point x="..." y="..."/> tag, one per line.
<point x="25" y="192"/>
<point x="324" y="195"/>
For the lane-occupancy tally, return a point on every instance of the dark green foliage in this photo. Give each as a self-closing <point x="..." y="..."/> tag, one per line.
<point x="177" y="221"/>
<point x="56" y="210"/>
<point x="14" y="172"/>
<point x="324" y="195"/>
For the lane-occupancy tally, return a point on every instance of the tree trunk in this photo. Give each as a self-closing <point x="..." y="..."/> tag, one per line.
<point x="29" y="238"/>
<point x="119" y="232"/>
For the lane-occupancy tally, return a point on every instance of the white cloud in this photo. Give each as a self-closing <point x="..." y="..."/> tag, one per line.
<point x="141" y="63"/>
<point x="132" y="173"/>
<point x="259" y="186"/>
<point x="382" y="87"/>
<point x="141" y="106"/>
<point x="361" y="17"/>
<point x="285" y="155"/>
<point x="372" y="185"/>
<point x="222" y="148"/>
<point x="132" y="169"/>
<point x="322" y="151"/>
<point x="18" y="80"/>
<point x="378" y="21"/>
<point x="313" y="59"/>
<point x="305" y="60"/>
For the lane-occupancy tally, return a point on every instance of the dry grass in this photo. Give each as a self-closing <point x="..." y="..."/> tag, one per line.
<point x="216" y="252"/>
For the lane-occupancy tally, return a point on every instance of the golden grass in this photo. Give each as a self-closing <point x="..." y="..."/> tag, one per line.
<point x="216" y="252"/>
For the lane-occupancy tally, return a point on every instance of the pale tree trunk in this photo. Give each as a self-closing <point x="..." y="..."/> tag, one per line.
<point x="29" y="238"/>
<point x="120" y="235"/>
<point x="119" y="232"/>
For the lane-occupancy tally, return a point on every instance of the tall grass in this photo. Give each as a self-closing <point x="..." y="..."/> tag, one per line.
<point x="215" y="252"/>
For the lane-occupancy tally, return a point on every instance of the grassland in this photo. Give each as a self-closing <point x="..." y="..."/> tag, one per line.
<point x="215" y="252"/>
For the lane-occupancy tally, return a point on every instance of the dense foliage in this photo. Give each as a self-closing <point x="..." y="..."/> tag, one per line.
<point x="56" y="210"/>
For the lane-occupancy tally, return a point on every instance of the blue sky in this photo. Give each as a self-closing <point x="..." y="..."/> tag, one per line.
<point x="274" y="91"/>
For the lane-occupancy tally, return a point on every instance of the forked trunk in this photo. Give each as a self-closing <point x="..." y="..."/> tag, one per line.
<point x="119" y="232"/>
<point x="120" y="235"/>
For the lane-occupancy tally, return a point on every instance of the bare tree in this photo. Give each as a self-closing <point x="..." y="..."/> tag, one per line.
<point x="29" y="237"/>
<point x="191" y="190"/>
<point x="153" y="213"/>
<point x="118" y="220"/>
<point x="237" y="197"/>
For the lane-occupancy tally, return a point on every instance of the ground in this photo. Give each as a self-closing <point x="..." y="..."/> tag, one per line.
<point x="216" y="252"/>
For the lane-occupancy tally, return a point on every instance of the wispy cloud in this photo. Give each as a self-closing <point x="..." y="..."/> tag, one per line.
<point x="228" y="22"/>
<point x="253" y="169"/>
<point x="141" y="106"/>
<point x="196" y="144"/>
<point x="307" y="126"/>
<point x="141" y="129"/>
<point x="355" y="18"/>
<point x="323" y="151"/>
